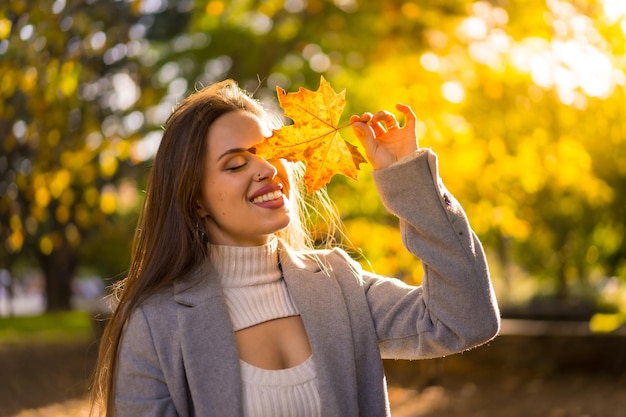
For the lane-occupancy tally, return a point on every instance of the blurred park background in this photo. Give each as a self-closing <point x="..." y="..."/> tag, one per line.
<point x="523" y="100"/>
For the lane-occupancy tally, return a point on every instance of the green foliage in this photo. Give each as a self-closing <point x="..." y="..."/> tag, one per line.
<point x="65" y="327"/>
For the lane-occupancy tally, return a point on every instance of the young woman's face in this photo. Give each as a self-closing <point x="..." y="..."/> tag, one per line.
<point x="245" y="198"/>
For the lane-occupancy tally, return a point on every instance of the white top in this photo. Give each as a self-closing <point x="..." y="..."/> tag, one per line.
<point x="288" y="392"/>
<point x="256" y="292"/>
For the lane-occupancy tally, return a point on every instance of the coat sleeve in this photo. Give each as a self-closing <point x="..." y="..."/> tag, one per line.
<point x="140" y="388"/>
<point x="455" y="307"/>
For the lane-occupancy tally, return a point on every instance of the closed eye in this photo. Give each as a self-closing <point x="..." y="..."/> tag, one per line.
<point x="236" y="167"/>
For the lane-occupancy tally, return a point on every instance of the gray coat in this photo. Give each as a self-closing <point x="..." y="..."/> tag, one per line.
<point x="179" y="358"/>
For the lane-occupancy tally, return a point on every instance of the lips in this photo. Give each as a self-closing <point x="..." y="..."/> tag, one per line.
<point x="274" y="195"/>
<point x="269" y="193"/>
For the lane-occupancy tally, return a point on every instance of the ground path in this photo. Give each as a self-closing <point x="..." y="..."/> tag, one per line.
<point x="529" y="375"/>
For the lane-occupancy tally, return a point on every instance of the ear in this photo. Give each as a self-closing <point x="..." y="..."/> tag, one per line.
<point x="202" y="212"/>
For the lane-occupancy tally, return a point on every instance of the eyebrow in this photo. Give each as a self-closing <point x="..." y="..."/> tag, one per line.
<point x="237" y="150"/>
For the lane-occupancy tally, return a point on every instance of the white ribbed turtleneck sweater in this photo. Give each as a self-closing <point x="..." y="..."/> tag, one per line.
<point x="252" y="283"/>
<point x="256" y="292"/>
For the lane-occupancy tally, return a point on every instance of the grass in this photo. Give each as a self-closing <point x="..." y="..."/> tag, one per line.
<point x="62" y="327"/>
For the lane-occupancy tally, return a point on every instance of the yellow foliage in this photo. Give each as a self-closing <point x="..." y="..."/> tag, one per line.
<point x="572" y="160"/>
<point x="87" y="174"/>
<point x="42" y="197"/>
<point x="28" y="82"/>
<point x="72" y="234"/>
<point x="108" y="201"/>
<point x="480" y="215"/>
<point x="465" y="163"/>
<point x="91" y="196"/>
<point x="45" y="245"/>
<point x="15" y="241"/>
<point x="384" y="253"/>
<point x="215" y="7"/>
<point x="81" y="215"/>
<point x="53" y="138"/>
<point x="68" y="85"/>
<point x="108" y="164"/>
<point x="570" y="165"/>
<point x="9" y="82"/>
<point x="606" y="323"/>
<point x="15" y="222"/>
<point x="51" y="80"/>
<point x="528" y="168"/>
<point x="67" y="159"/>
<point x="38" y="213"/>
<point x="509" y="223"/>
<point x="60" y="181"/>
<point x="62" y="214"/>
<point x="271" y="7"/>
<point x="496" y="148"/>
<point x="5" y="28"/>
<point x="122" y="149"/>
<point x="411" y="10"/>
<point x="67" y="197"/>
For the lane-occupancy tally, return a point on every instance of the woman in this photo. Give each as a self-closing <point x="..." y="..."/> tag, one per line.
<point x="228" y="311"/>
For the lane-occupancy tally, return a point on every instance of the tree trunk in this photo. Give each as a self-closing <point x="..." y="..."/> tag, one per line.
<point x="6" y="281"/>
<point x="58" y="269"/>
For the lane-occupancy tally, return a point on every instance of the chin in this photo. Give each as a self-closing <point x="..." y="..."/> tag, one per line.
<point x="283" y="224"/>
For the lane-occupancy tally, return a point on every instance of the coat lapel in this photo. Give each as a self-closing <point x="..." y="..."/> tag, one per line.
<point x="210" y="355"/>
<point x="318" y="297"/>
<point x="208" y="346"/>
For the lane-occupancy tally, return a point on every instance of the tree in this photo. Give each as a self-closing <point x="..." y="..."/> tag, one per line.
<point x="524" y="111"/>
<point x="67" y="74"/>
<point x="500" y="89"/>
<point x="82" y="81"/>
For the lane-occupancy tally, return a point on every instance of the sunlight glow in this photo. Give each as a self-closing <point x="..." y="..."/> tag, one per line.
<point x="575" y="62"/>
<point x="147" y="147"/>
<point x="614" y="10"/>
<point x="474" y="28"/>
<point x="126" y="92"/>
<point x="453" y="91"/>
<point x="430" y="62"/>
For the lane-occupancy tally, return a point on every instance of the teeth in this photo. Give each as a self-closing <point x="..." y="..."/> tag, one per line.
<point x="267" y="197"/>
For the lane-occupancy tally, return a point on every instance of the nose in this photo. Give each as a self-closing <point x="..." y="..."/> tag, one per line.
<point x="265" y="170"/>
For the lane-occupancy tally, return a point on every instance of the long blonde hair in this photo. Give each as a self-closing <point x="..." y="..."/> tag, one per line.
<point x="169" y="219"/>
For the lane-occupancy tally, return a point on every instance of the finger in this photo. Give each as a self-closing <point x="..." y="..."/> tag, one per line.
<point x="365" y="118"/>
<point x="409" y="115"/>
<point x="387" y="118"/>
<point x="377" y="128"/>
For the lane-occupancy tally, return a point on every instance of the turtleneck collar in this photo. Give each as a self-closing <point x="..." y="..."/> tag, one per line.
<point x="240" y="266"/>
<point x="252" y="283"/>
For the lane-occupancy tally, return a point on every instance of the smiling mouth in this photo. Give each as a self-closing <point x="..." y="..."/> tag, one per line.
<point x="274" y="195"/>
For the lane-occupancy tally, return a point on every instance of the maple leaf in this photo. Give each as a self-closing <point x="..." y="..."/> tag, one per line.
<point x="314" y="136"/>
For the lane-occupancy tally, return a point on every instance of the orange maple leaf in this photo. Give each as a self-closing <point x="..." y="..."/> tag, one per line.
<point x="314" y="136"/>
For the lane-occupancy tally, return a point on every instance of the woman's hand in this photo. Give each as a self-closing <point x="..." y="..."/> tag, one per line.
<point x="385" y="142"/>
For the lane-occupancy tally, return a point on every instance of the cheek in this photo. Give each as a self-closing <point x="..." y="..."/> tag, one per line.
<point x="214" y="198"/>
